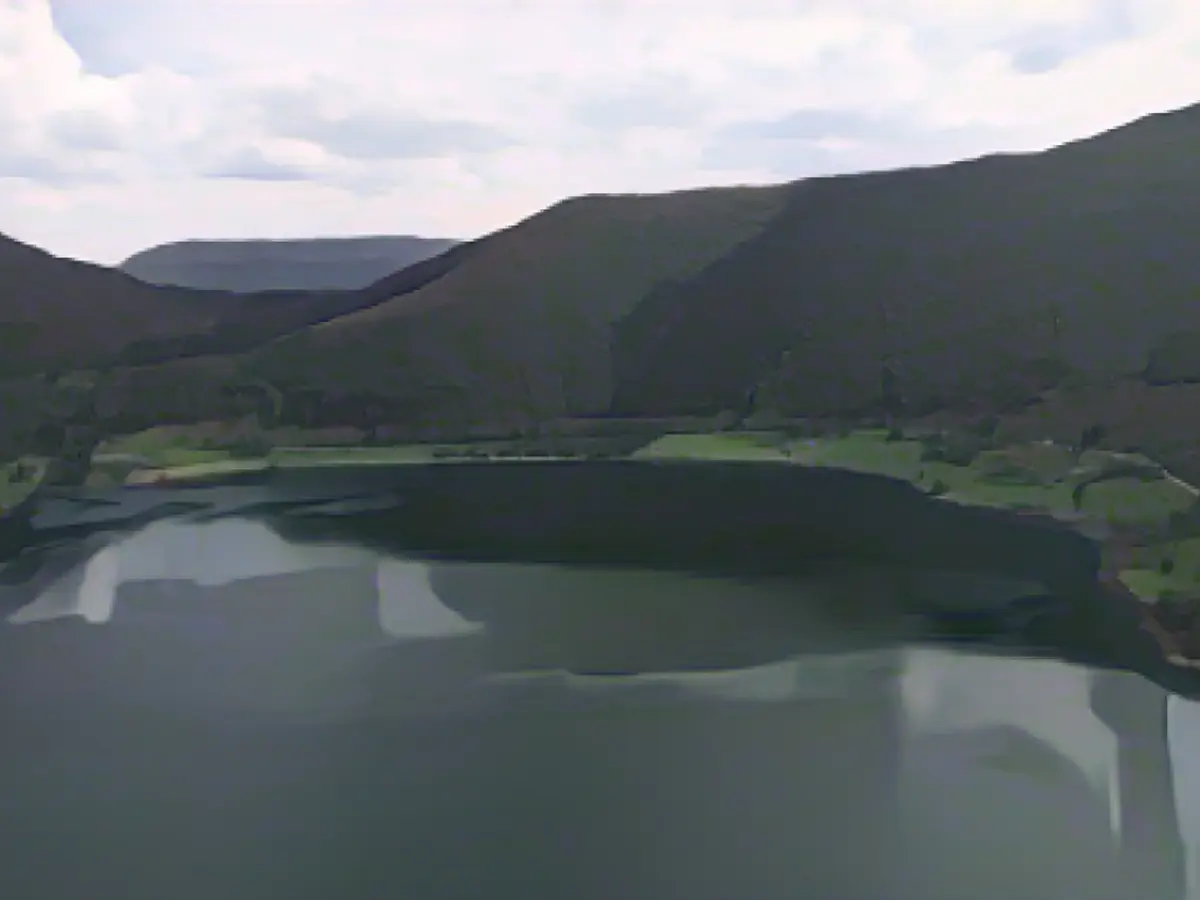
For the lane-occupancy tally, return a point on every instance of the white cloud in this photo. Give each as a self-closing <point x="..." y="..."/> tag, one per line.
<point x="131" y="122"/>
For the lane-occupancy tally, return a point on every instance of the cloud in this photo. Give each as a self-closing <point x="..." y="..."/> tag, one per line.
<point x="815" y="142"/>
<point x="1043" y="48"/>
<point x="816" y="125"/>
<point x="657" y="100"/>
<point x="817" y="145"/>
<point x="801" y="142"/>
<point x="124" y="37"/>
<point x="252" y="164"/>
<point x="380" y="134"/>
<point x="86" y="27"/>
<point x="16" y="165"/>
<point x="132" y="122"/>
<point x="84" y="129"/>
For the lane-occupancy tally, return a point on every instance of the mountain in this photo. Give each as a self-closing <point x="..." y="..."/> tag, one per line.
<point x="168" y="352"/>
<point x="264" y="265"/>
<point x="974" y="287"/>
<point x="57" y="313"/>
<point x="520" y="328"/>
<point x="984" y="283"/>
<point x="969" y="281"/>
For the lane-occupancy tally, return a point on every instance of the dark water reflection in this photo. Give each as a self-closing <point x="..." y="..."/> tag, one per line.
<point x="210" y="710"/>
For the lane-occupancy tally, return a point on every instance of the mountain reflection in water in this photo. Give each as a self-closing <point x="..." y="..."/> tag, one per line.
<point x="201" y="710"/>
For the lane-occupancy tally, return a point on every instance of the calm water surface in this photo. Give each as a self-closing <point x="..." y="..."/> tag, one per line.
<point x="201" y="710"/>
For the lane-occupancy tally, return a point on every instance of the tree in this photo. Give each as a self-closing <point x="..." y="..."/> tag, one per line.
<point x="72" y="442"/>
<point x="1092" y="436"/>
<point x="257" y="399"/>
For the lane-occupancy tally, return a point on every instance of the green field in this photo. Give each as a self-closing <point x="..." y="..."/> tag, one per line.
<point x="714" y="447"/>
<point x="1041" y="476"/>
<point x="315" y="456"/>
<point x="164" y="447"/>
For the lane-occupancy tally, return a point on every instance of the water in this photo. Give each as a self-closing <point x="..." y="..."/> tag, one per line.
<point x="208" y="709"/>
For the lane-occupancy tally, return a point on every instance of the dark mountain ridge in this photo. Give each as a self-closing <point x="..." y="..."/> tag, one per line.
<point x="980" y="283"/>
<point x="963" y="278"/>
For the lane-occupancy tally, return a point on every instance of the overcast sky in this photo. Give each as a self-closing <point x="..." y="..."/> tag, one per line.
<point x="126" y="123"/>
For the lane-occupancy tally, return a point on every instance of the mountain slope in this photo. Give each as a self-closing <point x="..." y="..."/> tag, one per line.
<point x="170" y="351"/>
<point x="265" y="265"/>
<point x="974" y="285"/>
<point x="981" y="282"/>
<point x="964" y="279"/>
<point x="57" y="313"/>
<point x="521" y="329"/>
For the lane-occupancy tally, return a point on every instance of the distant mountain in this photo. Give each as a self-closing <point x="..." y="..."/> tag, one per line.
<point x="260" y="265"/>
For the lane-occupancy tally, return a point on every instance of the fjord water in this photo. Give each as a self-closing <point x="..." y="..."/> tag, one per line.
<point x="207" y="709"/>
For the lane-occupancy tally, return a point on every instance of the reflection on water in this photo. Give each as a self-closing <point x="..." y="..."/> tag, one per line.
<point x="1183" y="717"/>
<point x="951" y="694"/>
<point x="408" y="606"/>
<point x="322" y="721"/>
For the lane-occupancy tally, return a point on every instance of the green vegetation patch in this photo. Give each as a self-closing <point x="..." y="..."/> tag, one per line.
<point x="1162" y="567"/>
<point x="720" y="446"/>
<point x="18" y="478"/>
<point x="1136" y="502"/>
<point x="300" y="456"/>
<point x="863" y="451"/>
<point x="165" y="446"/>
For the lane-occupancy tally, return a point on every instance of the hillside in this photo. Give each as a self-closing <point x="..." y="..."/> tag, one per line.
<point x="521" y="329"/>
<point x="166" y="351"/>
<point x="319" y="264"/>
<point x="965" y="289"/>
<point x="976" y="284"/>
<point x="57" y="313"/>
<point x="968" y="281"/>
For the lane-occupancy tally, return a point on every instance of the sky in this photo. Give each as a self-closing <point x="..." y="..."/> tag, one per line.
<point x="129" y="123"/>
